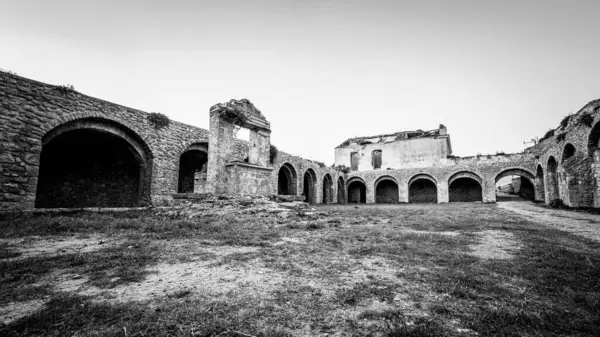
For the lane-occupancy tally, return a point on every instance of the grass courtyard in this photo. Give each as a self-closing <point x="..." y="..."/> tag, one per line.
<point x="460" y="269"/>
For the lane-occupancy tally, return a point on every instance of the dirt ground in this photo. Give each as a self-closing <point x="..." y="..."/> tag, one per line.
<point x="339" y="270"/>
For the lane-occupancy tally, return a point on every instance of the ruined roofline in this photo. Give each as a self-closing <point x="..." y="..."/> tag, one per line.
<point x="92" y="98"/>
<point x="400" y="135"/>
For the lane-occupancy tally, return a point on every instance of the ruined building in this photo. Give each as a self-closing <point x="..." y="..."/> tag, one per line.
<point x="62" y="149"/>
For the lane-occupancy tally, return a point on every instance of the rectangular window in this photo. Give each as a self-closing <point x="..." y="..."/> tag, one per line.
<point x="376" y="160"/>
<point x="354" y="161"/>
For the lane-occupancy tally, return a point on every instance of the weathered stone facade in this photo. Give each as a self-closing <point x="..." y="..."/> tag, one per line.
<point x="60" y="148"/>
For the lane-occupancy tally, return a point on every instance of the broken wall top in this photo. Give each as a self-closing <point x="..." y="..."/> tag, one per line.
<point x="242" y="113"/>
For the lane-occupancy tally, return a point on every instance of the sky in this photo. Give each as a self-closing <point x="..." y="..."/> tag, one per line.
<point x="495" y="73"/>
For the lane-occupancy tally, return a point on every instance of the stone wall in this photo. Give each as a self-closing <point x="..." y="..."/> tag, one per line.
<point x="574" y="147"/>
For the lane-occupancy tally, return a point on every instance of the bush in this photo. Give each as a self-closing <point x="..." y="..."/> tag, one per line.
<point x="561" y="137"/>
<point x="66" y="89"/>
<point x="557" y="203"/>
<point x="500" y="153"/>
<point x="586" y="119"/>
<point x="343" y="168"/>
<point x="565" y="121"/>
<point x="549" y="134"/>
<point x="158" y="120"/>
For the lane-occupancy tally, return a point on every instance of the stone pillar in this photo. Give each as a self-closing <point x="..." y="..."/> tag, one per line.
<point x="442" y="192"/>
<point x="220" y="140"/>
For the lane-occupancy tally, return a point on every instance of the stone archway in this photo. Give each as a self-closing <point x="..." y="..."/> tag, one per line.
<point x="310" y="183"/>
<point x="540" y="191"/>
<point x="341" y="191"/>
<point x="552" y="180"/>
<point x="422" y="188"/>
<point x="594" y="155"/>
<point x="192" y="160"/>
<point x="327" y="189"/>
<point x="93" y="163"/>
<point x="386" y="190"/>
<point x="465" y="186"/>
<point x="286" y="180"/>
<point x="523" y="185"/>
<point x="357" y="191"/>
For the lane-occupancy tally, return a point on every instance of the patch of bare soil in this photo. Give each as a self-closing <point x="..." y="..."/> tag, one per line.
<point x="583" y="224"/>
<point x="37" y="246"/>
<point x="495" y="244"/>
<point x="15" y="310"/>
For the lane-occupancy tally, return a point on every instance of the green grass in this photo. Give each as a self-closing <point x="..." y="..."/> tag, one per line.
<point x="332" y="275"/>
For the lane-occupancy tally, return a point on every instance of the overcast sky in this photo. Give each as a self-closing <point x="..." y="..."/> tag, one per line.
<point x="496" y="73"/>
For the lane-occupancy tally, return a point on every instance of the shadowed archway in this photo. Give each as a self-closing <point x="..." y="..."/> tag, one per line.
<point x="310" y="183"/>
<point x="286" y="180"/>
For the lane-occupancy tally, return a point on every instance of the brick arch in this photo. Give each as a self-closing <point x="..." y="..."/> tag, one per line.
<point x="593" y="143"/>
<point x="568" y="152"/>
<point x="287" y="179"/>
<point x="197" y="144"/>
<point x="341" y="190"/>
<point x="126" y="167"/>
<point x="421" y="176"/>
<point x="425" y="189"/>
<point x="515" y="171"/>
<point x="193" y="158"/>
<point x="105" y="125"/>
<point x="357" y="190"/>
<point x="91" y="115"/>
<point x="309" y="189"/>
<point x="383" y="178"/>
<point x="465" y="174"/>
<point x="553" y="189"/>
<point x="469" y="188"/>
<point x="327" y="189"/>
<point x="386" y="190"/>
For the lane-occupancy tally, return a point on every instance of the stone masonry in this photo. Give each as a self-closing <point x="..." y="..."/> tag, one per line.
<point x="60" y="148"/>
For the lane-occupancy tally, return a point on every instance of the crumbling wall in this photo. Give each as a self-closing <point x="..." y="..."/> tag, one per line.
<point x="31" y="109"/>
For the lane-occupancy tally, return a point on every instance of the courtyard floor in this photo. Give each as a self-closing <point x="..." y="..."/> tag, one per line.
<point x="464" y="269"/>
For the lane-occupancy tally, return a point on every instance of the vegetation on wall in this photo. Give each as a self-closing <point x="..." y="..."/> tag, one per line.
<point x="158" y="120"/>
<point x="586" y="119"/>
<point x="343" y="168"/>
<point x="7" y="71"/>
<point x="549" y="134"/>
<point x="561" y="137"/>
<point x="565" y="121"/>
<point x="66" y="89"/>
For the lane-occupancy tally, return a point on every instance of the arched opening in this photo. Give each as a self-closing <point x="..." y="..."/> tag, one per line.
<point x="568" y="152"/>
<point x="422" y="189"/>
<point x="327" y="189"/>
<point x="552" y="183"/>
<point x="540" y="191"/>
<point x="515" y="184"/>
<point x="310" y="181"/>
<point x="594" y="154"/>
<point x="286" y="180"/>
<point x="386" y="191"/>
<point x="357" y="192"/>
<point x="341" y="191"/>
<point x="191" y="161"/>
<point x="465" y="187"/>
<point x="93" y="163"/>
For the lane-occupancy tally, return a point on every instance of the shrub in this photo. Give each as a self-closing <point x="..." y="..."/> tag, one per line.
<point x="158" y="120"/>
<point x="343" y="168"/>
<point x="273" y="151"/>
<point x="565" y="121"/>
<point x="7" y="71"/>
<point x="557" y="203"/>
<point x="549" y="134"/>
<point x="500" y="153"/>
<point x="561" y="137"/>
<point x="66" y="89"/>
<point x="586" y="119"/>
